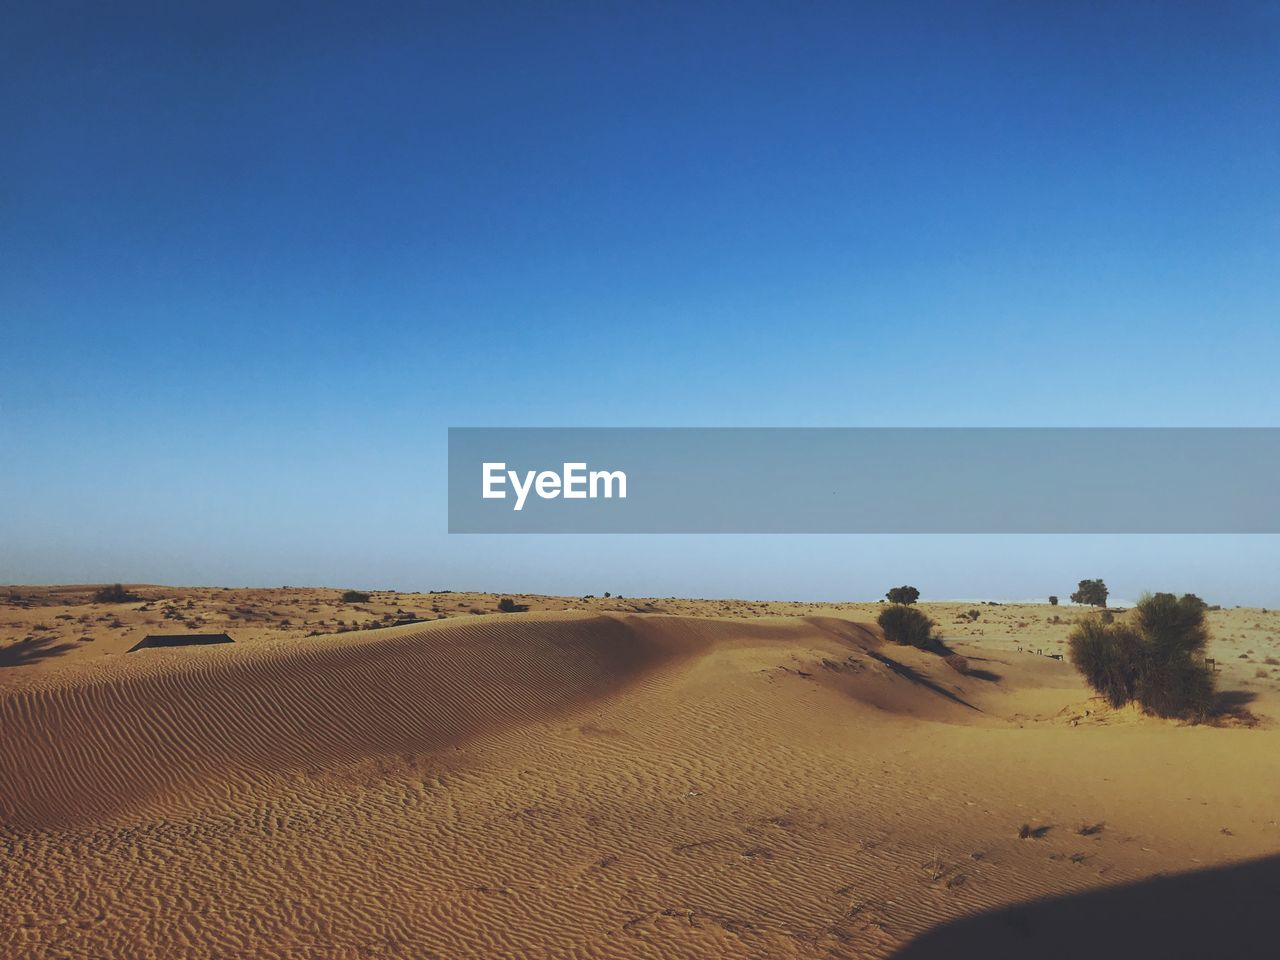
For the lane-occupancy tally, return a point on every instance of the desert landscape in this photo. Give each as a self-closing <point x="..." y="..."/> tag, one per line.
<point x="927" y="310"/>
<point x="377" y="774"/>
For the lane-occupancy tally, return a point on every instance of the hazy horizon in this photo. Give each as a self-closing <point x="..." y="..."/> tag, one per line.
<point x="1023" y="568"/>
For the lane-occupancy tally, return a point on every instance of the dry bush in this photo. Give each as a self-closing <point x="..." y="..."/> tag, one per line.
<point x="1155" y="657"/>
<point x="116" y="593"/>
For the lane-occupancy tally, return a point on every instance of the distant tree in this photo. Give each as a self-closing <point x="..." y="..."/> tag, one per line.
<point x="1154" y="656"/>
<point x="906" y="595"/>
<point x="1091" y="592"/>
<point x="907" y="625"/>
<point x="1053" y="601"/>
<point x="355" y="596"/>
<point x="116" y="593"/>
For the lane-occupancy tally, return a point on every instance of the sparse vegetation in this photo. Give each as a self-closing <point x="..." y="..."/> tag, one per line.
<point x="1154" y="657"/>
<point x="507" y="605"/>
<point x="904" y="594"/>
<point x="1091" y="593"/>
<point x="355" y="596"/>
<point x="906" y="625"/>
<point x="116" y="593"/>
<point x="1053" y="601"/>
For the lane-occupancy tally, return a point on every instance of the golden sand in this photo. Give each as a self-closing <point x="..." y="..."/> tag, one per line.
<point x="593" y="778"/>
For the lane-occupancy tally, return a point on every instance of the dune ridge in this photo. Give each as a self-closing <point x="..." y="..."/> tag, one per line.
<point x="85" y="744"/>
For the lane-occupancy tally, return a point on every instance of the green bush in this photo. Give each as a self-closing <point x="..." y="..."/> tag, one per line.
<point x="1154" y="657"/>
<point x="907" y="625"/>
<point x="1191" y="598"/>
<point x="903" y="595"/>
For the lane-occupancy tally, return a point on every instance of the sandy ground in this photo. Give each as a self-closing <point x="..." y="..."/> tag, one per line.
<point x="612" y="778"/>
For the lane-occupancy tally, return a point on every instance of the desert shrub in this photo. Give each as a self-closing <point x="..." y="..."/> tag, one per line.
<point x="958" y="663"/>
<point x="1092" y="593"/>
<point x="1053" y="601"/>
<point x="1109" y="657"/>
<point x="1154" y="657"/>
<point x="1181" y="689"/>
<point x="355" y="596"/>
<point x="116" y="593"/>
<point x="1193" y="600"/>
<point x="903" y="594"/>
<point x="907" y="625"/>
<point x="507" y="605"/>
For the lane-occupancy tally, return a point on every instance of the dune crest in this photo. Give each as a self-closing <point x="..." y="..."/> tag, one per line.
<point x="158" y="725"/>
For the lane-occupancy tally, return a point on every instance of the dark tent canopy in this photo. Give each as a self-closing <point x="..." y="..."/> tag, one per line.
<point x="179" y="640"/>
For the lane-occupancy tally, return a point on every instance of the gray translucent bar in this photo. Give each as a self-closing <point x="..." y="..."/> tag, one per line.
<point x="871" y="480"/>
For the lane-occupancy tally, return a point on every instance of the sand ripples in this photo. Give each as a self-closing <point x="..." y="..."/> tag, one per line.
<point x="573" y="786"/>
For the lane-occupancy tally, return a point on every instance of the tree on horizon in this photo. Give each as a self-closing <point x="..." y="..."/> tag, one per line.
<point x="1092" y="593"/>
<point x="904" y="595"/>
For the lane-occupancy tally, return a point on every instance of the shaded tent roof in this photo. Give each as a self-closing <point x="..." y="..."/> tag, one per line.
<point x="179" y="640"/>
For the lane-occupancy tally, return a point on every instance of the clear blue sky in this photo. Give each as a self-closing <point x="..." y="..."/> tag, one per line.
<point x="255" y="259"/>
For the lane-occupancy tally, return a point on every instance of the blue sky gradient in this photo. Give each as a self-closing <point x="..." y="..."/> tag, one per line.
<point x="257" y="258"/>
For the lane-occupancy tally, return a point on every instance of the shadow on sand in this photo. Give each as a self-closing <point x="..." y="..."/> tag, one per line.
<point x="908" y="673"/>
<point x="1221" y="913"/>
<point x="1226" y="701"/>
<point x="32" y="650"/>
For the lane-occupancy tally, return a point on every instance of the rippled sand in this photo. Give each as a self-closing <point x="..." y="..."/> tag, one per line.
<point x="585" y="784"/>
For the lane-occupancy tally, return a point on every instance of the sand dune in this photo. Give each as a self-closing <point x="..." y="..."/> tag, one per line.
<point x="586" y="785"/>
<point x="156" y="729"/>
